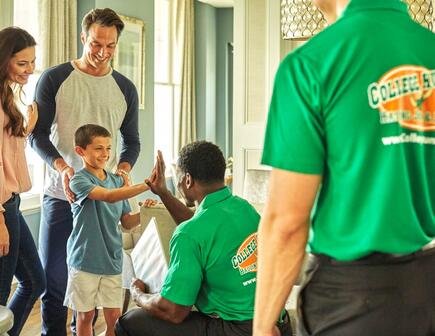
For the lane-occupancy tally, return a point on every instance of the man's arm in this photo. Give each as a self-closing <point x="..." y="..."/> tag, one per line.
<point x="156" y="305"/>
<point x="282" y="239"/>
<point x="157" y="183"/>
<point x="178" y="210"/>
<point x="39" y="138"/>
<point x="130" y="141"/>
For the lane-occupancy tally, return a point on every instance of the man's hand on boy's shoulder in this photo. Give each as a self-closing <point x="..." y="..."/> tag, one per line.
<point x="125" y="177"/>
<point x="123" y="170"/>
<point x="67" y="173"/>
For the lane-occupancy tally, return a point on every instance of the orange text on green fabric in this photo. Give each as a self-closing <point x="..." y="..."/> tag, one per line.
<point x="405" y="95"/>
<point x="245" y="259"/>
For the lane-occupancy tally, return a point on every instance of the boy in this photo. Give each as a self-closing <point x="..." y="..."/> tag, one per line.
<point x="94" y="249"/>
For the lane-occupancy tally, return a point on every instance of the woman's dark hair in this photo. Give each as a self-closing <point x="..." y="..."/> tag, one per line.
<point x="203" y="160"/>
<point x="84" y="134"/>
<point x="12" y="40"/>
<point x="105" y="17"/>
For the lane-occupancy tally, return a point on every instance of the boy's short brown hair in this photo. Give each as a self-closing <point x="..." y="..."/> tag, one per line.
<point x="84" y="134"/>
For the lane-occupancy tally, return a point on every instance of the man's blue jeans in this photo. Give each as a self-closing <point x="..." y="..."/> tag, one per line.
<point x="56" y="226"/>
<point x="23" y="262"/>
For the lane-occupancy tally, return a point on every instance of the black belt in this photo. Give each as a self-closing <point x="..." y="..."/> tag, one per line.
<point x="378" y="258"/>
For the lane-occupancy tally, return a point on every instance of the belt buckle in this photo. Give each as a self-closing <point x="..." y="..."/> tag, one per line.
<point x="429" y="246"/>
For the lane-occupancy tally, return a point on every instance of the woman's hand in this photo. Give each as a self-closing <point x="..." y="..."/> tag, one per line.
<point x="32" y="117"/>
<point x="4" y="237"/>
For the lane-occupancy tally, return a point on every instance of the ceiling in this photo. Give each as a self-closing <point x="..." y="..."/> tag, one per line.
<point x="219" y="3"/>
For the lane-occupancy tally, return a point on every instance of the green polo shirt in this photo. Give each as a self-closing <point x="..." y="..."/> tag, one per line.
<point x="356" y="104"/>
<point x="213" y="258"/>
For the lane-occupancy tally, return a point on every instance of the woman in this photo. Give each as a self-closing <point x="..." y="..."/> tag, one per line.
<point x="18" y="254"/>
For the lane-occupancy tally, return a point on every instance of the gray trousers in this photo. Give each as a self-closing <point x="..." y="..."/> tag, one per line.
<point x="137" y="322"/>
<point x="378" y="295"/>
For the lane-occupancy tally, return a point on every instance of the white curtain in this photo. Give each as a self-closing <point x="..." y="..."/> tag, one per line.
<point x="185" y="67"/>
<point x="58" y="31"/>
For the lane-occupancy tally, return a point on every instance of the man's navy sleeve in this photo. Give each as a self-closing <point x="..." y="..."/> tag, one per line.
<point x="130" y="143"/>
<point x="45" y="94"/>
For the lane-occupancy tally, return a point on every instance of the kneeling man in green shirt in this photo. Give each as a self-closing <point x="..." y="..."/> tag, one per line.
<point x="213" y="256"/>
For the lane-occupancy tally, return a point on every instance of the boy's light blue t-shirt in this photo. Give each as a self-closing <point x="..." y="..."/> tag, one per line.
<point x="95" y="243"/>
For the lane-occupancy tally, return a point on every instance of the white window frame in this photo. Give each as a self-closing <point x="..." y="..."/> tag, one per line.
<point x="162" y="130"/>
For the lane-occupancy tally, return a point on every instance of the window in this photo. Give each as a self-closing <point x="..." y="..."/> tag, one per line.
<point x="166" y="83"/>
<point x="26" y="18"/>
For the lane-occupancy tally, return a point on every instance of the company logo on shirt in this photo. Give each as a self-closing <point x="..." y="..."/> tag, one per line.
<point x="245" y="259"/>
<point x="405" y="95"/>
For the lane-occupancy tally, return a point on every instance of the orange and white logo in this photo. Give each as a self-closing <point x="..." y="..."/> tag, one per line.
<point x="405" y="95"/>
<point x="245" y="259"/>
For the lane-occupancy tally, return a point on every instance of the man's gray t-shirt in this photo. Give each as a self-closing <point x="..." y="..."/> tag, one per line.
<point x="110" y="101"/>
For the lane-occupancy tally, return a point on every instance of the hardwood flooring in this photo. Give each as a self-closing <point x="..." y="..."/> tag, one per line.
<point x="33" y="323"/>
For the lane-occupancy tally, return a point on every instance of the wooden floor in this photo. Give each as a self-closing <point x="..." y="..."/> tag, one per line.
<point x="33" y="323"/>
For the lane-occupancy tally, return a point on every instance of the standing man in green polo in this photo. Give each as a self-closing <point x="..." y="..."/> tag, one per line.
<point x="213" y="256"/>
<point x="351" y="138"/>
